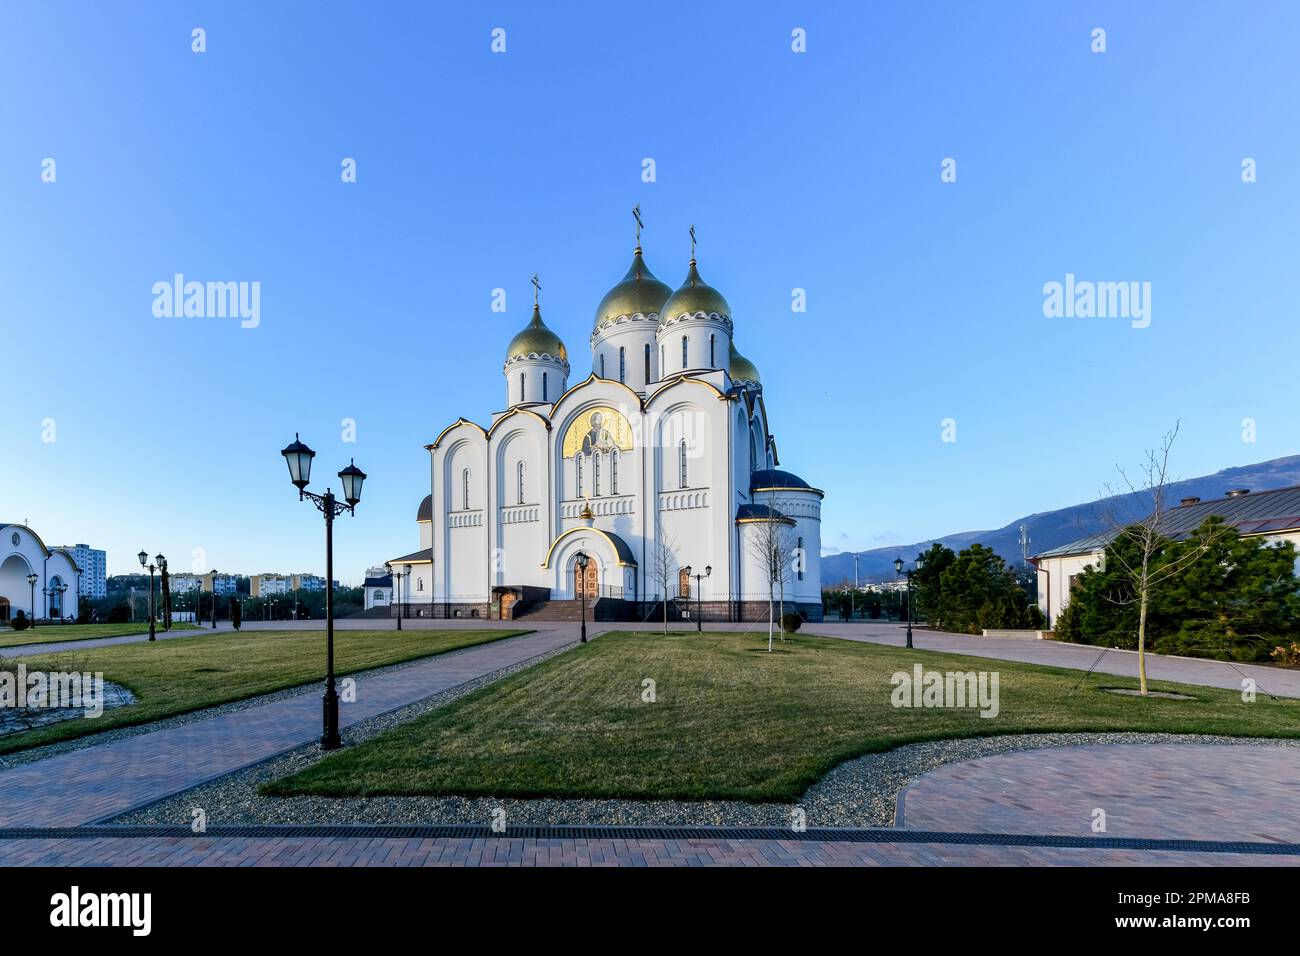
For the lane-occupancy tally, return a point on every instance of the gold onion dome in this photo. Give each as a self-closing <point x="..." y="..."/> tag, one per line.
<point x="536" y="337"/>
<point x="695" y="295"/>
<point x="742" y="369"/>
<point x="639" y="291"/>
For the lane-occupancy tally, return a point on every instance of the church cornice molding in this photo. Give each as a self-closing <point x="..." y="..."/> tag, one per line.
<point x="683" y="379"/>
<point x="458" y="423"/>
<point x="712" y="317"/>
<point x="537" y="357"/>
<point x="628" y="319"/>
<point x="518" y="411"/>
<point x="594" y="379"/>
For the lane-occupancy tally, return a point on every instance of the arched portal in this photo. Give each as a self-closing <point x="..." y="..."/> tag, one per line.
<point x="590" y="587"/>
<point x="13" y="584"/>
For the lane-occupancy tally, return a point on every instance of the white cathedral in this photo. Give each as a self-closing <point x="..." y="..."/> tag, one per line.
<point x="658" y="463"/>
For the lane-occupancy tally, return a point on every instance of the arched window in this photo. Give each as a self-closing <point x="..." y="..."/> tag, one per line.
<point x="522" y="379"/>
<point x="602" y="364"/>
<point x="595" y="473"/>
<point x="613" y="471"/>
<point x="712" y="342"/>
<point x="464" y="488"/>
<point x="647" y="363"/>
<point x="521" y="482"/>
<point x="663" y="369"/>
<point x="419" y="584"/>
<point x="577" y="458"/>
<point x="685" y="354"/>
<point x="622" y="364"/>
<point x="683" y="583"/>
<point x="545" y="398"/>
<point x="379" y="596"/>
<point x="800" y="559"/>
<point x="681" y="464"/>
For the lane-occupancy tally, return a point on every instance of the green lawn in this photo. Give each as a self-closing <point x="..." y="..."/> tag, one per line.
<point x="190" y="673"/>
<point x="53" y="633"/>
<point x="731" y="721"/>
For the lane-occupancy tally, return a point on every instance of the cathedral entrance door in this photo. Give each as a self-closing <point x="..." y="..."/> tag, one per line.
<point x="591" y="587"/>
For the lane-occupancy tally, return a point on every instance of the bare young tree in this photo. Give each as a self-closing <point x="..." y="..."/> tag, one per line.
<point x="663" y="565"/>
<point x="770" y="544"/>
<point x="1148" y="565"/>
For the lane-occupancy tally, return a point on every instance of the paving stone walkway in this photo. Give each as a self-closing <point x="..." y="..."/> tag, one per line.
<point x="103" y="781"/>
<point x="1184" y="670"/>
<point x="523" y="851"/>
<point x="1151" y="791"/>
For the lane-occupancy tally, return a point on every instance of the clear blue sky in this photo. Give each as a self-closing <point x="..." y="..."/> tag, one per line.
<point x="475" y="169"/>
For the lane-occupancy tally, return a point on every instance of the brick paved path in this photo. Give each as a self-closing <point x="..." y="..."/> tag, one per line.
<point x="108" y="779"/>
<point x="1184" y="670"/>
<point x="1153" y="791"/>
<point x="507" y="851"/>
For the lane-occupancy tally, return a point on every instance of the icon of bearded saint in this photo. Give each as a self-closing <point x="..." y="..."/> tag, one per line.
<point x="597" y="437"/>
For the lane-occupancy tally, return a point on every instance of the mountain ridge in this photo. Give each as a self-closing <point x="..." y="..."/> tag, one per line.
<point x="1051" y="529"/>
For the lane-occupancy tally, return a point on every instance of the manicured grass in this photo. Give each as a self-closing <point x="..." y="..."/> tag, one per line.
<point x="190" y="673"/>
<point x="731" y="721"/>
<point x="54" y="633"/>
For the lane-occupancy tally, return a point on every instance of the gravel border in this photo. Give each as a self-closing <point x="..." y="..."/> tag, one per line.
<point x="858" y="793"/>
<point x="32" y="754"/>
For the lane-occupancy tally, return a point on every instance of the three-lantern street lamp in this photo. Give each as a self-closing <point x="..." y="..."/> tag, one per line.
<point x="299" y="457"/>
<point x="898" y="569"/>
<point x="144" y="563"/>
<point x="708" y="570"/>
<point x="31" y="583"/>
<point x="582" y="561"/>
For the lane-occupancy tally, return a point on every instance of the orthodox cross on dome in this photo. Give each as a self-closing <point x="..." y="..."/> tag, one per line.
<point x="692" y="242"/>
<point x="537" y="288"/>
<point x="636" y="214"/>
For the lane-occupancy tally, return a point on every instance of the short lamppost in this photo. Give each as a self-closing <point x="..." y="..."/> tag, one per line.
<point x="708" y="570"/>
<point x="144" y="563"/>
<point x="31" y="583"/>
<point x="581" y="560"/>
<point x="299" y="457"/>
<point x="898" y="569"/>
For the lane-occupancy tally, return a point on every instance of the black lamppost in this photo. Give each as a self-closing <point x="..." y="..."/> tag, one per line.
<point x="144" y="563"/>
<point x="31" y="583"/>
<point x="395" y="592"/>
<point x="898" y="569"/>
<point x="406" y="569"/>
<point x="581" y="560"/>
<point x="708" y="570"/>
<point x="163" y="597"/>
<point x="214" y="599"/>
<point x="299" y="457"/>
<point x="62" y="589"/>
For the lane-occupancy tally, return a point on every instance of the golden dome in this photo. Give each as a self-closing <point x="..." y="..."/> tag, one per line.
<point x="536" y="337"/>
<point x="694" y="296"/>
<point x="742" y="369"/>
<point x="639" y="291"/>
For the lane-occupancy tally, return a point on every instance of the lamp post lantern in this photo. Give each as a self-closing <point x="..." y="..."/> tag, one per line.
<point x="299" y="458"/>
<point x="31" y="583"/>
<point x="898" y="569"/>
<point x="581" y="560"/>
<point x="144" y="563"/>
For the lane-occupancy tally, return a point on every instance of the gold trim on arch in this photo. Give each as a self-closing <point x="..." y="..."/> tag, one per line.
<point x="594" y="378"/>
<point x="516" y="411"/>
<point x="546" y="562"/>
<point x="682" y="378"/>
<point x="816" y="491"/>
<point x="456" y="424"/>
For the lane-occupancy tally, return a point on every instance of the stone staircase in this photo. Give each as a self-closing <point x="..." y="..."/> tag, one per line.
<point x="567" y="610"/>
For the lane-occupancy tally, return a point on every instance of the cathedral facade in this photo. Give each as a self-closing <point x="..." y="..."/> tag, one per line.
<point x="657" y="469"/>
